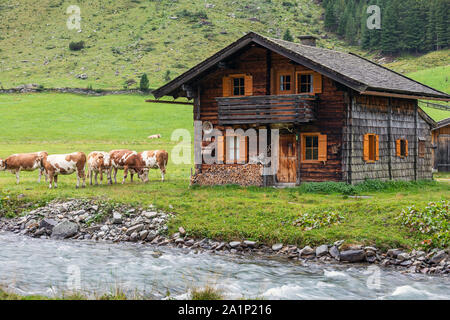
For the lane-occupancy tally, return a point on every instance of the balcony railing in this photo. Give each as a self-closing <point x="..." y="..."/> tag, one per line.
<point x="266" y="109"/>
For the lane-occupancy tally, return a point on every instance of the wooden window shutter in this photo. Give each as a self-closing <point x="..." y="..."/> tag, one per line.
<point x="226" y="85"/>
<point x="323" y="147"/>
<point x="366" y="147"/>
<point x="220" y="149"/>
<point x="398" y="148"/>
<point x="406" y="148"/>
<point x="317" y="83"/>
<point x="243" y="149"/>
<point x="248" y="83"/>
<point x="377" y="147"/>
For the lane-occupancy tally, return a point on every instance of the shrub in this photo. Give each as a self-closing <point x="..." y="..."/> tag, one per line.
<point x="167" y="76"/>
<point x="318" y="219"/>
<point x="76" y="46"/>
<point x="433" y="221"/>
<point x="208" y="293"/>
<point x="144" y="83"/>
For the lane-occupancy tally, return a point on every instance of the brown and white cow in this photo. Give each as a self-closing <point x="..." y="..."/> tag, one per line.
<point x="65" y="164"/>
<point x="24" y="162"/>
<point x="155" y="159"/>
<point x="127" y="160"/>
<point x="98" y="162"/>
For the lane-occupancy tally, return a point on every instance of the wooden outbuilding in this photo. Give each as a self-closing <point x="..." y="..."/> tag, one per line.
<point x="339" y="117"/>
<point x="441" y="143"/>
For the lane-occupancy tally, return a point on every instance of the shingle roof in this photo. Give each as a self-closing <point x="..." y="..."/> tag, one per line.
<point x="349" y="69"/>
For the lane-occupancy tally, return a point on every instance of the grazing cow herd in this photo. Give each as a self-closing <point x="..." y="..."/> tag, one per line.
<point x="98" y="162"/>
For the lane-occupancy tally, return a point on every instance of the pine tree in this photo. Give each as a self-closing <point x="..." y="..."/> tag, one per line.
<point x="390" y="39"/>
<point x="287" y="36"/>
<point x="144" y="83"/>
<point x="330" y="18"/>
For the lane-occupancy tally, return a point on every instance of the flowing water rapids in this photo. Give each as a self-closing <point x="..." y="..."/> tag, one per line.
<point x="54" y="267"/>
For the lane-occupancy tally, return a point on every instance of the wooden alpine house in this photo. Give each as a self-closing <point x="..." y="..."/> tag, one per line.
<point x="340" y="117"/>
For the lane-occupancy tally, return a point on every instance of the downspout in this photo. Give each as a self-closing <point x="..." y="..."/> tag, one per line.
<point x="390" y="137"/>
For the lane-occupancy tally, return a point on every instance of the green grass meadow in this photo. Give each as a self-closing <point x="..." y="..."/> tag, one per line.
<point x="62" y="123"/>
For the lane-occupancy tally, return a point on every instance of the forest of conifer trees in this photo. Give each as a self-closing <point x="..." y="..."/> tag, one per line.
<point x="406" y="25"/>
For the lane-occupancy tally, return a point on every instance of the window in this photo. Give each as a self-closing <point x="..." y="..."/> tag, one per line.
<point x="232" y="149"/>
<point x="285" y="83"/>
<point x="314" y="147"/>
<point x="308" y="82"/>
<point x="401" y="146"/>
<point x="371" y="147"/>
<point x="238" y="86"/>
<point x="305" y="83"/>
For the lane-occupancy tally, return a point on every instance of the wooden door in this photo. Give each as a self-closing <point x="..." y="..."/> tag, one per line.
<point x="287" y="166"/>
<point x="443" y="153"/>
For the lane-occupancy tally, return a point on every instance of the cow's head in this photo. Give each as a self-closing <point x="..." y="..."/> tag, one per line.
<point x="106" y="160"/>
<point x="2" y="165"/>
<point x="41" y="156"/>
<point x="143" y="174"/>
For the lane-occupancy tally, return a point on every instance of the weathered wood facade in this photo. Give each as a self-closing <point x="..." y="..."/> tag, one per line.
<point x="332" y="127"/>
<point x="441" y="146"/>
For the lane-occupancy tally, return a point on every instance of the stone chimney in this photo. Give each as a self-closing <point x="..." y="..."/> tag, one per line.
<point x="308" y="40"/>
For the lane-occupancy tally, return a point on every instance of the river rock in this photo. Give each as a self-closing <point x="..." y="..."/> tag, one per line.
<point x="65" y="229"/>
<point x="277" y="246"/>
<point x="250" y="244"/>
<point x="143" y="234"/>
<point x="403" y="256"/>
<point x="117" y="218"/>
<point x="353" y="255"/>
<point x="48" y="224"/>
<point x="306" y="251"/>
<point x="234" y="244"/>
<point x="181" y="231"/>
<point x="393" y="253"/>
<point x="321" y="250"/>
<point x="438" y="257"/>
<point x="151" y="235"/>
<point x="334" y="252"/>
<point x="137" y="228"/>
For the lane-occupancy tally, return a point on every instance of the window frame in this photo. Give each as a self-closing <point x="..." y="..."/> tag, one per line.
<point x="422" y="148"/>
<point x="372" y="138"/>
<point x="322" y="155"/>
<point x="285" y="73"/>
<point x="298" y="82"/>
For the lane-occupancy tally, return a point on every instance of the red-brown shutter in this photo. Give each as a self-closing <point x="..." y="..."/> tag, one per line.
<point x="366" y="147"/>
<point x="220" y="149"/>
<point x="317" y="83"/>
<point x="226" y="85"/>
<point x="377" y="147"/>
<point x="243" y="149"/>
<point x="406" y="148"/>
<point x="398" y="148"/>
<point x="323" y="147"/>
<point x="248" y="83"/>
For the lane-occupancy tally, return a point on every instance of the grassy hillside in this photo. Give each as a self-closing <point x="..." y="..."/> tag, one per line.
<point x="125" y="38"/>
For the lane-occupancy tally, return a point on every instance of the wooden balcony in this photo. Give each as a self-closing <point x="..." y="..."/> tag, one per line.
<point x="293" y="108"/>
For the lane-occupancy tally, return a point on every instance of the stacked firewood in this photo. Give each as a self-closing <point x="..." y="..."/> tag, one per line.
<point x="244" y="175"/>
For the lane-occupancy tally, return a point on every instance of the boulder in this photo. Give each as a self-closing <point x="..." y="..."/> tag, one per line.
<point x="250" y="244"/>
<point x="334" y="252"/>
<point x="65" y="229"/>
<point x="353" y="255"/>
<point x="306" y="251"/>
<point x="438" y="257"/>
<point x="234" y="244"/>
<point x="277" y="246"/>
<point x="137" y="228"/>
<point x="321" y="250"/>
<point x="117" y="218"/>
<point x="48" y="224"/>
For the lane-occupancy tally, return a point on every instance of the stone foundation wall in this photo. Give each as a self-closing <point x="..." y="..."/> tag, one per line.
<point x="223" y="174"/>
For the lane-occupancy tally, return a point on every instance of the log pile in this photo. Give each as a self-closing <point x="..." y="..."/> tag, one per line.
<point x="244" y="175"/>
